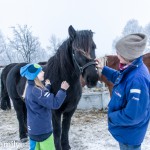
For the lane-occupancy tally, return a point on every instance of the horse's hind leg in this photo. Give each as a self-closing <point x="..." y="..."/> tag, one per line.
<point x="56" y="120"/>
<point x="19" y="106"/>
<point x="5" y="100"/>
<point x="65" y="130"/>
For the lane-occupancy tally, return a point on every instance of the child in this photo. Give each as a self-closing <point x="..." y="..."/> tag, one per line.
<point x="39" y="102"/>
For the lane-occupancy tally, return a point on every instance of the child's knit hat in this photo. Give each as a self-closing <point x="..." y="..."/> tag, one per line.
<point x="30" y="71"/>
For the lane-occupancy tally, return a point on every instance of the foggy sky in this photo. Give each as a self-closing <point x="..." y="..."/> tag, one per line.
<point x="106" y="18"/>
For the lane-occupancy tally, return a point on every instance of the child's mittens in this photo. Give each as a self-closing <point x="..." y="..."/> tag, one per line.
<point x="47" y="81"/>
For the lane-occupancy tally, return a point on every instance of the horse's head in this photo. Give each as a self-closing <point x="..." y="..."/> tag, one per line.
<point x="83" y="54"/>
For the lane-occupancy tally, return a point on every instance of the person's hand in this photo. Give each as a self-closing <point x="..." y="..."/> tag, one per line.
<point x="47" y="81"/>
<point x="64" y="85"/>
<point x="99" y="64"/>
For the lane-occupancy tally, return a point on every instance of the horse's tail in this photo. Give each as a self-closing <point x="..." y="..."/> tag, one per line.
<point x="5" y="100"/>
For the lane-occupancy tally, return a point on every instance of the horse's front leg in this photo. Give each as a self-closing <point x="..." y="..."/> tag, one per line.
<point x="65" y="130"/>
<point x="56" y="120"/>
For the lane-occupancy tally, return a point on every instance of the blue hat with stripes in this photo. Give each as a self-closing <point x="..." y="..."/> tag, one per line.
<point x="30" y="71"/>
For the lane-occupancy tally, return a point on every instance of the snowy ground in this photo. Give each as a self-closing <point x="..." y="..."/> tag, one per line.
<point x="88" y="132"/>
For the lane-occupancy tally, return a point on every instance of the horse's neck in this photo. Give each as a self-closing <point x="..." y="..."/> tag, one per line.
<point x="64" y="70"/>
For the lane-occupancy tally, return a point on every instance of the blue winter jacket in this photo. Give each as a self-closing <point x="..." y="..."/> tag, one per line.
<point x="39" y="103"/>
<point x="129" y="107"/>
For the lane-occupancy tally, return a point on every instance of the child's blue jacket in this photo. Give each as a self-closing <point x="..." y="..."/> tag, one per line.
<point x="39" y="103"/>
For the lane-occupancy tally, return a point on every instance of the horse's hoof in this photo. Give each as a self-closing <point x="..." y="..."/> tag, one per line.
<point x="3" y="106"/>
<point x="23" y="140"/>
<point x="66" y="147"/>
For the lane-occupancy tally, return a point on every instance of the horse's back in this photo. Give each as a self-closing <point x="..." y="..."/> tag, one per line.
<point x="5" y="72"/>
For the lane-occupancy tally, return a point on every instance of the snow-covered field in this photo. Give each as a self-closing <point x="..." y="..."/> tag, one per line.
<point x="88" y="132"/>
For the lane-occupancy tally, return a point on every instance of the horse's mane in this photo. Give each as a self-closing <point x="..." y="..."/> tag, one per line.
<point x="61" y="63"/>
<point x="84" y="41"/>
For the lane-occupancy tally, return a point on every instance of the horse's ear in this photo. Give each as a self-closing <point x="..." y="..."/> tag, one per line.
<point x="92" y="32"/>
<point x="72" y="32"/>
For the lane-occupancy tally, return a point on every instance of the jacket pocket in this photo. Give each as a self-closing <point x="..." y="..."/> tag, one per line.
<point x="117" y="101"/>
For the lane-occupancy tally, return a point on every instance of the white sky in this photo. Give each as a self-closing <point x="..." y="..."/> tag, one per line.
<point x="106" y="18"/>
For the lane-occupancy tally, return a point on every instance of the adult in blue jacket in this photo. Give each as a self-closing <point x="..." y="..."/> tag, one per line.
<point x="129" y="107"/>
<point x="39" y="102"/>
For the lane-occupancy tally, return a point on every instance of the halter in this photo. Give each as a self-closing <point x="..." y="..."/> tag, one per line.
<point x="81" y="69"/>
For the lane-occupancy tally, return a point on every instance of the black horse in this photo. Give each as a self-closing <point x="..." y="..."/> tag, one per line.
<point x="74" y="57"/>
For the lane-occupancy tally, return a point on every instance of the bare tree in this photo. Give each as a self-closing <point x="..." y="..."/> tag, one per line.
<point x="41" y="56"/>
<point x="6" y="53"/>
<point x="132" y="26"/>
<point x="147" y="32"/>
<point x="24" y="43"/>
<point x="114" y="44"/>
<point x="2" y="42"/>
<point x="54" y="44"/>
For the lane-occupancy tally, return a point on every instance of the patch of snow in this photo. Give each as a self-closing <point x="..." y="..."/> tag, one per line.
<point x="88" y="131"/>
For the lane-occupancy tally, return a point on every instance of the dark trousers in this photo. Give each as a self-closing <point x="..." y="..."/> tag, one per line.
<point x="129" y="147"/>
